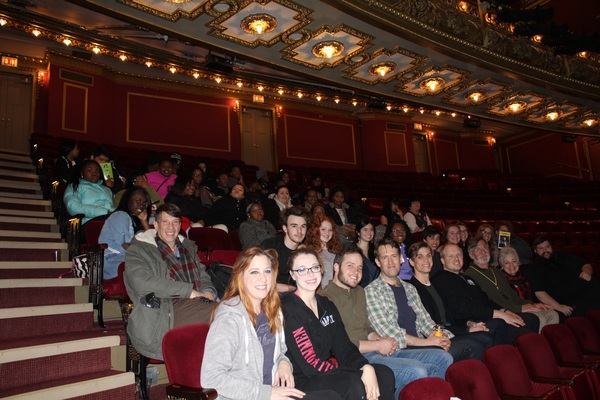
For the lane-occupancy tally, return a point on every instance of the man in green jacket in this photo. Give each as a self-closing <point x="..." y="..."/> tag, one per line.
<point x="166" y="282"/>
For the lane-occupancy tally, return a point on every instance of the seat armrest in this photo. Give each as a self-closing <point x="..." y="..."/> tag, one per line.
<point x="555" y="381"/>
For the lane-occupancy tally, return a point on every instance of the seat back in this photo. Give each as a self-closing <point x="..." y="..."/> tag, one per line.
<point x="92" y="232"/>
<point x="471" y="380"/>
<point x="537" y="356"/>
<point x="563" y="343"/>
<point x="508" y="370"/>
<point x="183" y="351"/>
<point x="427" y="388"/>
<point x="594" y="317"/>
<point x="226" y="257"/>
<point x="585" y="334"/>
<point x="210" y="238"/>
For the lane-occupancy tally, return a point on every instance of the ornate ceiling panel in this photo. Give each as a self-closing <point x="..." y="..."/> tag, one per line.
<point x="476" y="93"/>
<point x="516" y="104"/>
<point x="383" y="66"/>
<point x="432" y="81"/>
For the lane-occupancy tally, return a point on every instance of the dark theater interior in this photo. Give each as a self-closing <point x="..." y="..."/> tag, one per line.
<point x="487" y="113"/>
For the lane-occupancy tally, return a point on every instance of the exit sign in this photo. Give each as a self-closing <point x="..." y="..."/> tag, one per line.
<point x="257" y="98"/>
<point x="9" y="61"/>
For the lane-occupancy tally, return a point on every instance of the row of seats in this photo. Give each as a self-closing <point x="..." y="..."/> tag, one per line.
<point x="561" y="363"/>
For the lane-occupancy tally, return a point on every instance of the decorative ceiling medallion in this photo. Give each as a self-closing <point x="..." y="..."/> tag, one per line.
<point x="352" y="41"/>
<point x="253" y="24"/>
<point x="394" y="63"/>
<point x="171" y="10"/>
<point x="475" y="93"/>
<point x="553" y="112"/>
<point x="433" y="81"/>
<point x="258" y="24"/>
<point x="328" y="49"/>
<point x="516" y="104"/>
<point x="589" y="122"/>
<point x="382" y="68"/>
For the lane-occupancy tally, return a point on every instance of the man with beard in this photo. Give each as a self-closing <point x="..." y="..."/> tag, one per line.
<point x="294" y="221"/>
<point x="563" y="278"/>
<point x="494" y="283"/>
<point x="349" y="298"/>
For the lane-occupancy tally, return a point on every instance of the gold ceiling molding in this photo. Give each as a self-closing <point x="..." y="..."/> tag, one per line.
<point x="441" y="22"/>
<point x="553" y="112"/>
<point x="507" y="105"/>
<point x="287" y="18"/>
<point x="403" y="59"/>
<point x="354" y="42"/>
<point x="421" y="83"/>
<point x="169" y="10"/>
<point x="489" y="88"/>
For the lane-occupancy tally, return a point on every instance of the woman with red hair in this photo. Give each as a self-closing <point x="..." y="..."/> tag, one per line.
<point x="323" y="238"/>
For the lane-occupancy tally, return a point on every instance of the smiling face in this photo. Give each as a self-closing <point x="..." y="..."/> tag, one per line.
<point x="283" y="195"/>
<point x="464" y="233"/>
<point x="137" y="203"/>
<point x="432" y="241"/>
<point x="325" y="232"/>
<point x="166" y="168"/>
<point x="452" y="258"/>
<point x="295" y="231"/>
<point x="312" y="280"/>
<point x="366" y="233"/>
<point x="256" y="212"/>
<point x="197" y="176"/>
<point x="544" y="249"/>
<point x="349" y="273"/>
<point x="398" y="233"/>
<point x="190" y="187"/>
<point x="510" y="265"/>
<point x="389" y="260"/>
<point x="486" y="234"/>
<point x="453" y="235"/>
<point x="311" y="197"/>
<point x="422" y="261"/>
<point x="480" y="253"/>
<point x="91" y="172"/>
<point x="317" y="210"/>
<point x="167" y="228"/>
<point x="257" y="279"/>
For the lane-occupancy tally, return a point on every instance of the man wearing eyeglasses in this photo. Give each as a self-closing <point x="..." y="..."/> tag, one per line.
<point x="349" y="298"/>
<point x="294" y="221"/>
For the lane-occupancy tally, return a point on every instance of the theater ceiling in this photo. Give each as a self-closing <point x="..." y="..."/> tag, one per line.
<point x="438" y="61"/>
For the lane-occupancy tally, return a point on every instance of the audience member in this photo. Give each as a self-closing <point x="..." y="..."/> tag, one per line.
<point x="343" y="215"/>
<point x="130" y="217"/>
<point x="520" y="245"/>
<point x="323" y="238"/>
<point x="311" y="198"/>
<point x="229" y="210"/>
<point x="202" y="191"/>
<point x="139" y="180"/>
<point x="163" y="178"/>
<point x="476" y="334"/>
<point x="485" y="232"/>
<point x="563" y="278"/>
<point x="314" y="332"/>
<point x="222" y="185"/>
<point x="431" y="237"/>
<point x="395" y="311"/>
<point x="391" y="212"/>
<point x="467" y="302"/>
<point x="397" y="232"/>
<point x="349" y="298"/>
<point x="453" y="236"/>
<point x="64" y="165"/>
<point x="415" y="219"/>
<point x="364" y="241"/>
<point x="496" y="287"/>
<point x="166" y="282"/>
<point x="86" y="194"/>
<point x="316" y="183"/>
<point x="112" y="176"/>
<point x="277" y="204"/>
<point x="235" y="176"/>
<point x="465" y="235"/>
<point x="295" y="222"/>
<point x="254" y="230"/>
<point x="183" y="195"/>
<point x="177" y="160"/>
<point x="318" y="209"/>
<point x="244" y="356"/>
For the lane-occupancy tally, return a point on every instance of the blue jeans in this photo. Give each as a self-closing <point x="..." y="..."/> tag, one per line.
<point x="411" y="364"/>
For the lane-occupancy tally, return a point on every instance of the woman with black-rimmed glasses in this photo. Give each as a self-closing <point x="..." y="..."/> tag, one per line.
<point x="322" y="355"/>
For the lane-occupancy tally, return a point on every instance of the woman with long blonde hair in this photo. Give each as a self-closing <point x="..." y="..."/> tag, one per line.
<point x="244" y="356"/>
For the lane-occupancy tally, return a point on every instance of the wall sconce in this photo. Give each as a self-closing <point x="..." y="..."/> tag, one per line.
<point x="515" y="106"/>
<point x="492" y="141"/>
<point x="328" y="49"/>
<point x="236" y="106"/>
<point x="258" y="24"/>
<point x="430" y="135"/>
<point x="382" y="68"/>
<point x="432" y="84"/>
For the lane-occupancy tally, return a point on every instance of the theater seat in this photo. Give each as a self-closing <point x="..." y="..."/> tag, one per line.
<point x="471" y="380"/>
<point x="427" y="388"/>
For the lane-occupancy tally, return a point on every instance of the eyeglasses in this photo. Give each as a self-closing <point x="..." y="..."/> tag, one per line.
<point x="304" y="271"/>
<point x="398" y="230"/>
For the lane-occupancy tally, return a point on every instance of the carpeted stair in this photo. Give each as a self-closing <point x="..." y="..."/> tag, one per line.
<point x="50" y="347"/>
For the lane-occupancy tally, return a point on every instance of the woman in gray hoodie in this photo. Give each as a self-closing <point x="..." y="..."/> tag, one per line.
<point x="244" y="356"/>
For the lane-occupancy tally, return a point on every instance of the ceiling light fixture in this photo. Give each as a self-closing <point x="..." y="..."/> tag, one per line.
<point x="196" y="75"/>
<point x="218" y="80"/>
<point x="553" y="115"/>
<point x="354" y="103"/>
<point x="453" y="115"/>
<point x="438" y="113"/>
<point x="589" y="122"/>
<point x="148" y="64"/>
<point x="177" y="1"/>
<point x="463" y="6"/>
<point x="318" y="98"/>
<point x="405" y="109"/>
<point x="475" y="95"/>
<point x="422" y="111"/>
<point x="96" y="50"/>
<point x="257" y="24"/>
<point x="382" y="68"/>
<point x="36" y="32"/>
<point x="431" y="84"/>
<point x="300" y="95"/>
<point x="515" y="106"/>
<point x="2" y="22"/>
<point x="389" y="108"/>
<point x="239" y="84"/>
<point x="280" y="91"/>
<point x="260" y="88"/>
<point x="337" y="101"/>
<point x="123" y="57"/>
<point x="67" y="41"/>
<point x="328" y="49"/>
<point x="173" y="70"/>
